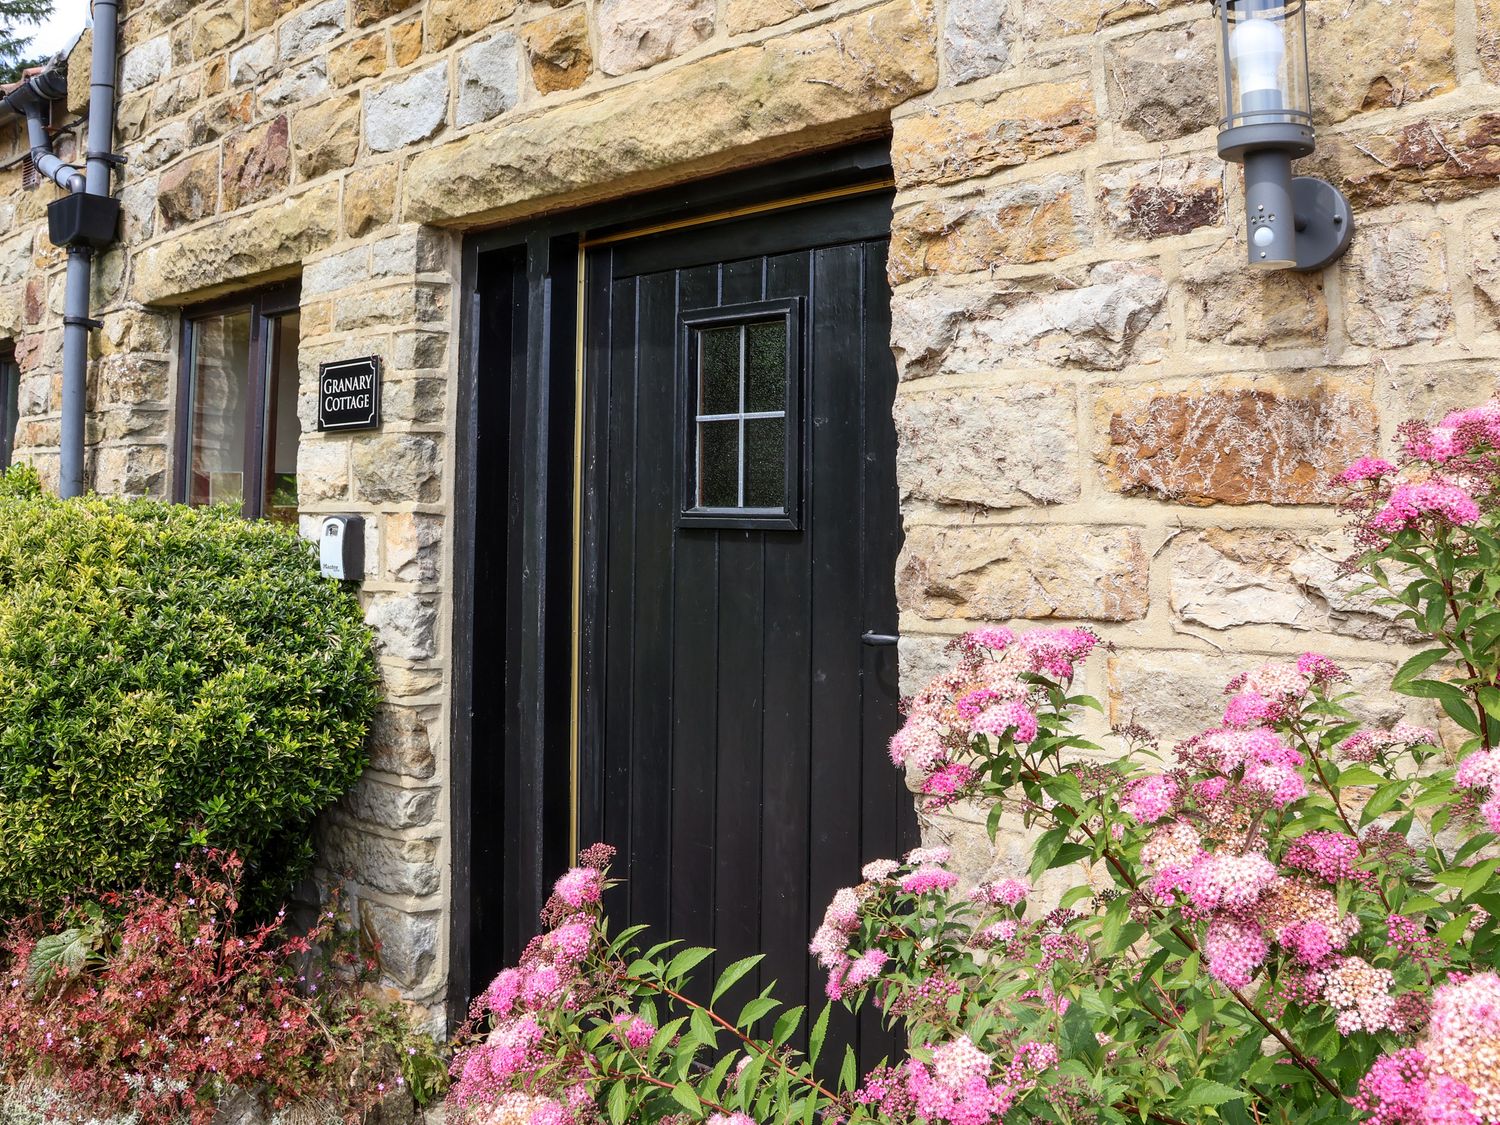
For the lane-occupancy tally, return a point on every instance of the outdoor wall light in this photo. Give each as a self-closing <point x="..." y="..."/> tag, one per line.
<point x="1292" y="222"/>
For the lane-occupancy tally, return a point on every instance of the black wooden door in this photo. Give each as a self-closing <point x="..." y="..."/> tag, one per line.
<point x="741" y="528"/>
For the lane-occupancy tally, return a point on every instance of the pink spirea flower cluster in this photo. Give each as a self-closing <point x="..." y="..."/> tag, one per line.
<point x="961" y="1087"/>
<point x="993" y="691"/>
<point x="1148" y="799"/>
<point x="1366" y="468"/>
<point x="830" y="944"/>
<point x="496" y="1073"/>
<point x="731" y="1119"/>
<point x="1368" y="745"/>
<point x="1452" y="1076"/>
<point x="1481" y="770"/>
<point x="1332" y="856"/>
<point x="1410" y="503"/>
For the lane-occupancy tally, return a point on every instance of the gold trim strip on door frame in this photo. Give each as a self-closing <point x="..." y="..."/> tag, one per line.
<point x="585" y="244"/>
<point x="885" y="184"/>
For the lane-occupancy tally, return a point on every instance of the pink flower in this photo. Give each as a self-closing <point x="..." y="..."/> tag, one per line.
<point x="828" y="945"/>
<point x="949" y="782"/>
<point x="636" y="1032"/>
<point x="580" y="886"/>
<point x="1366" y="468"/>
<point x="570" y="941"/>
<point x="1361" y="995"/>
<point x="1249" y="709"/>
<point x="503" y="992"/>
<point x="1013" y="717"/>
<point x="1480" y="770"/>
<point x="1329" y="855"/>
<point x="1409" y="503"/>
<point x="1055" y="652"/>
<point x="919" y="741"/>
<point x="938" y="855"/>
<point x="731" y="1119"/>
<point x="866" y="967"/>
<point x="925" y="879"/>
<point x="843" y="911"/>
<point x="1319" y="669"/>
<point x="1005" y="892"/>
<point x="1395" y="1089"/>
<point x="995" y="638"/>
<point x="1234" y="950"/>
<point x="1148" y="799"/>
<point x="879" y="869"/>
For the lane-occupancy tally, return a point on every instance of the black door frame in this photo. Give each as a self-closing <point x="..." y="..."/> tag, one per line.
<point x="541" y="262"/>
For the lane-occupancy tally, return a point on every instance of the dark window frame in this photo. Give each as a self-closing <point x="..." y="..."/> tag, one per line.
<point x="690" y="325"/>
<point x="264" y="306"/>
<point x="10" y="405"/>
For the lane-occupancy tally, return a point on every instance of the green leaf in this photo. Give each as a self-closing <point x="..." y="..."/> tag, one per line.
<point x="1383" y="799"/>
<point x="60" y="956"/>
<point x="754" y="1009"/>
<point x="730" y="976"/>
<point x="1417" y="665"/>
<point x="1479" y="877"/>
<point x="685" y="962"/>
<point x="818" y="1034"/>
<point x="786" y="1024"/>
<point x="687" y="1097"/>
<point x="618" y="1104"/>
<point x="1202" y="1091"/>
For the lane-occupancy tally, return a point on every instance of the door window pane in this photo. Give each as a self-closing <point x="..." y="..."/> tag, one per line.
<point x="740" y="385"/>
<point x="10" y="413"/>
<point x="220" y="409"/>
<point x="283" y="430"/>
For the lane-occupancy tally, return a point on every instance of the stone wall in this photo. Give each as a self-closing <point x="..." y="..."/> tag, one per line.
<point x="1104" y="415"/>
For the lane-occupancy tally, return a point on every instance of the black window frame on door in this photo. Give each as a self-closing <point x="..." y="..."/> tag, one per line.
<point x="518" y="383"/>
<point x="10" y="404"/>
<point x="265" y="307"/>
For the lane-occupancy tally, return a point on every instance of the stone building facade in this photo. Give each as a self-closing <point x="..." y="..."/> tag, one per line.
<point x="1103" y="415"/>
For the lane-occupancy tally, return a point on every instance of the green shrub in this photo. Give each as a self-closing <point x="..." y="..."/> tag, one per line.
<point x="169" y="677"/>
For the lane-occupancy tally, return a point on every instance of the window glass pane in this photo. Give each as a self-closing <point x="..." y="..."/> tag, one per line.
<point x="718" y="464"/>
<point x="765" y="463"/>
<point x="720" y="373"/>
<point x="282" y="427"/>
<point x="765" y="366"/>
<point x="10" y="412"/>
<point x="221" y="381"/>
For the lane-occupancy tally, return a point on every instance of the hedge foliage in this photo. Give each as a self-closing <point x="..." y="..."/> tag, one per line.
<point x="169" y="677"/>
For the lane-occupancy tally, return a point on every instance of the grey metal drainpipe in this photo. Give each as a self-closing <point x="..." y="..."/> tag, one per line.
<point x="31" y="99"/>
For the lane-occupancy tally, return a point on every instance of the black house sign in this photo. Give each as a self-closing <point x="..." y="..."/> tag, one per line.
<point x="349" y="394"/>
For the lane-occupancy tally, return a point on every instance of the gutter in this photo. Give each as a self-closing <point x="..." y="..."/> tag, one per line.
<point x="84" y="220"/>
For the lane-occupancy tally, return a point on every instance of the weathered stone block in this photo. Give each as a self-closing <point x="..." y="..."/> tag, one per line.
<point x="1228" y="303"/>
<point x="1045" y="20"/>
<point x="1105" y="318"/>
<point x="397" y="867"/>
<point x="634" y="34"/>
<point x="306" y="31"/>
<point x="369" y="198"/>
<point x="400" y="742"/>
<point x="397" y="467"/>
<point x="390" y="806"/>
<point x="145" y="64"/>
<point x="450" y="20"/>
<point x="263" y="13"/>
<point x="408" y="943"/>
<point x="413" y="547"/>
<point x="373" y="11"/>
<point x="337" y="271"/>
<point x="997" y="447"/>
<point x="405" y="625"/>
<point x="1366" y="55"/>
<point x="1160" y="198"/>
<point x="1032" y="572"/>
<point x="1432" y="159"/>
<point x="130" y="470"/>
<point x="257" y="164"/>
<point x="978" y="39"/>
<point x="364" y="57"/>
<point x="1396" y="282"/>
<point x="965" y="140"/>
<point x="1487" y="33"/>
<point x="251" y="63"/>
<point x="1011" y="224"/>
<point x="557" y="47"/>
<point x="296" y="85"/>
<point x="751" y="15"/>
<point x="1223" y="578"/>
<point x="406" y="42"/>
<point x="788" y="94"/>
<point x="189" y="189"/>
<point x="325" y="136"/>
<point x="1482" y="237"/>
<point x="1178" y="694"/>
<point x="216" y="28"/>
<point x="322" y="470"/>
<point x="489" y="79"/>
<point x="177" y="94"/>
<point x="409" y="110"/>
<point x="1268" y="440"/>
<point x="414" y="250"/>
<point x="1162" y="83"/>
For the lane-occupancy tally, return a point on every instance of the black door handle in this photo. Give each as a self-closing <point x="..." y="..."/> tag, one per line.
<point x="880" y="640"/>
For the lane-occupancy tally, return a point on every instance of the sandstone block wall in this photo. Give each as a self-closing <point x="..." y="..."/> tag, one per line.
<point x="1104" y="416"/>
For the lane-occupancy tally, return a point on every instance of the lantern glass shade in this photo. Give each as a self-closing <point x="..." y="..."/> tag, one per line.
<point x="1263" y="63"/>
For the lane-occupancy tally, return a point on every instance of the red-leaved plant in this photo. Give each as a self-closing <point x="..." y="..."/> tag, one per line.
<point x="164" y="1010"/>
